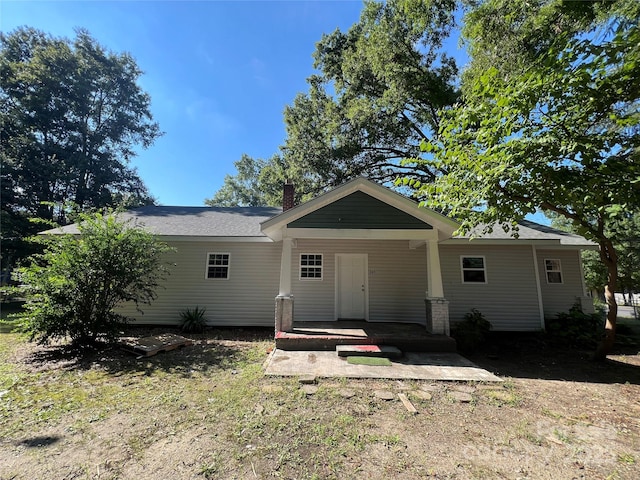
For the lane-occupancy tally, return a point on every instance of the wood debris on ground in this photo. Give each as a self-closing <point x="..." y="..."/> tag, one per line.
<point x="407" y="403"/>
<point x="148" y="346"/>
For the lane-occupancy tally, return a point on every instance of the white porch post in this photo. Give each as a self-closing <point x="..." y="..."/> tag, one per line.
<point x="285" y="267"/>
<point x="434" y="273"/>
<point x="437" y="306"/>
<point x="284" y="300"/>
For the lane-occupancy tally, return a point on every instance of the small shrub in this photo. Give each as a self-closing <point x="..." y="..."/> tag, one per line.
<point x="193" y="321"/>
<point x="472" y="331"/>
<point x="576" y="328"/>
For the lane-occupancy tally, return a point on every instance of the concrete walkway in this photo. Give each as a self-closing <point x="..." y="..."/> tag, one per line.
<point x="413" y="365"/>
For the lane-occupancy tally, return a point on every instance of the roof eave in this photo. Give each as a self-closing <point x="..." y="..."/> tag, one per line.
<point x="553" y="242"/>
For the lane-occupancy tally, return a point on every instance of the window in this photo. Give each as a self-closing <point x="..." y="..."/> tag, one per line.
<point x="554" y="270"/>
<point x="218" y="265"/>
<point x="473" y="270"/>
<point x="311" y="266"/>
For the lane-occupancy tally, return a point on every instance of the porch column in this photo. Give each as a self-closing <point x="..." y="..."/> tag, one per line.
<point x="437" y="307"/>
<point x="284" y="300"/>
<point x="434" y="274"/>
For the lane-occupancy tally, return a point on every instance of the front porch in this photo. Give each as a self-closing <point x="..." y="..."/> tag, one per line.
<point x="364" y="253"/>
<point x="408" y="337"/>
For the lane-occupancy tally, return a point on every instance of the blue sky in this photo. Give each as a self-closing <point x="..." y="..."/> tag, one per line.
<point x="219" y="74"/>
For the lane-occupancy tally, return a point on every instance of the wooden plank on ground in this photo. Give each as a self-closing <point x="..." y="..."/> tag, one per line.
<point x="407" y="403"/>
<point x="148" y="346"/>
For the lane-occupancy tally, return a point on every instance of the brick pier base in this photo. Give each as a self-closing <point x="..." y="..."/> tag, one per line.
<point x="437" y="315"/>
<point x="284" y="313"/>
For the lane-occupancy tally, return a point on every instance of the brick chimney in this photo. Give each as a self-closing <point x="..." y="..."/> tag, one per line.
<point x="288" y="194"/>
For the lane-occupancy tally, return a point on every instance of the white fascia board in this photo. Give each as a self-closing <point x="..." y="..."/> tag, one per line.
<point x="499" y="241"/>
<point x="181" y="238"/>
<point x="194" y="238"/>
<point x="540" y="243"/>
<point x="361" y="234"/>
<point x="444" y="224"/>
<point x="570" y="247"/>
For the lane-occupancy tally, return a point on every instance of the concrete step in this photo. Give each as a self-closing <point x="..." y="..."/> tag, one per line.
<point x="427" y="343"/>
<point x="388" y="351"/>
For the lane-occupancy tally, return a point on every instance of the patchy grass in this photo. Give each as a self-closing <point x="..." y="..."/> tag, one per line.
<point x="372" y="361"/>
<point x="207" y="411"/>
<point x="626" y="458"/>
<point x="502" y="398"/>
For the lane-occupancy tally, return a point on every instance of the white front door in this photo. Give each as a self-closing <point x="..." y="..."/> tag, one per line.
<point x="351" y="286"/>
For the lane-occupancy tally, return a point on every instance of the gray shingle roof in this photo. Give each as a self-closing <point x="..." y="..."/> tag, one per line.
<point x="530" y="231"/>
<point x="195" y="221"/>
<point x="245" y="222"/>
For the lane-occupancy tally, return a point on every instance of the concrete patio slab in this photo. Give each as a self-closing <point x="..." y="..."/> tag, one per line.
<point x="413" y="365"/>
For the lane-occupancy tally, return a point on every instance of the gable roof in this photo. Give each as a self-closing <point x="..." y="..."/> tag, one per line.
<point x="359" y="210"/>
<point x="266" y="223"/>
<point x="274" y="226"/>
<point x="194" y="222"/>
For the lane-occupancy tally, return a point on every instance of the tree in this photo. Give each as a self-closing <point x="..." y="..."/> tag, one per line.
<point x="563" y="136"/>
<point x="375" y="97"/>
<point x="73" y="287"/>
<point x="259" y="182"/>
<point x="625" y="233"/>
<point x="511" y="35"/>
<point x="72" y="115"/>
<point x="378" y="93"/>
<point x="627" y="237"/>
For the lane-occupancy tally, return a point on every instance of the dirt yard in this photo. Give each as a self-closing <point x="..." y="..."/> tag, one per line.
<point x="206" y="411"/>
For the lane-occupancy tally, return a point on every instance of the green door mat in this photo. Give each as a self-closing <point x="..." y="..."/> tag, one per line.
<point x="373" y="361"/>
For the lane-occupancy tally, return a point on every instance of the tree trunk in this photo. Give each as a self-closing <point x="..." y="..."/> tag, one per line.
<point x="610" y="259"/>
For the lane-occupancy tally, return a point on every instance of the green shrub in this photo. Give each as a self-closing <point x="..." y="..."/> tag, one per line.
<point x="576" y="328"/>
<point x="73" y="287"/>
<point x="472" y="331"/>
<point x="193" y="321"/>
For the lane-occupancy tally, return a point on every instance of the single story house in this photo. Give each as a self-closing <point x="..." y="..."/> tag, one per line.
<point x="360" y="252"/>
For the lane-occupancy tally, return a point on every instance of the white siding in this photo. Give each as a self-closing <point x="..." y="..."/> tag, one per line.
<point x="245" y="299"/>
<point x="397" y="283"/>
<point x="555" y="296"/>
<point x="509" y="299"/>
<point x="397" y="280"/>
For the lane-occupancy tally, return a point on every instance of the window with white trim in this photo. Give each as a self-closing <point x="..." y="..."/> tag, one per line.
<point x="218" y="265"/>
<point x="310" y="266"/>
<point x="473" y="269"/>
<point x="553" y="268"/>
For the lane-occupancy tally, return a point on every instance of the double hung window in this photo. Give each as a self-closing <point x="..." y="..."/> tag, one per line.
<point x="553" y="269"/>
<point x="473" y="269"/>
<point x="310" y="266"/>
<point x="218" y="265"/>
